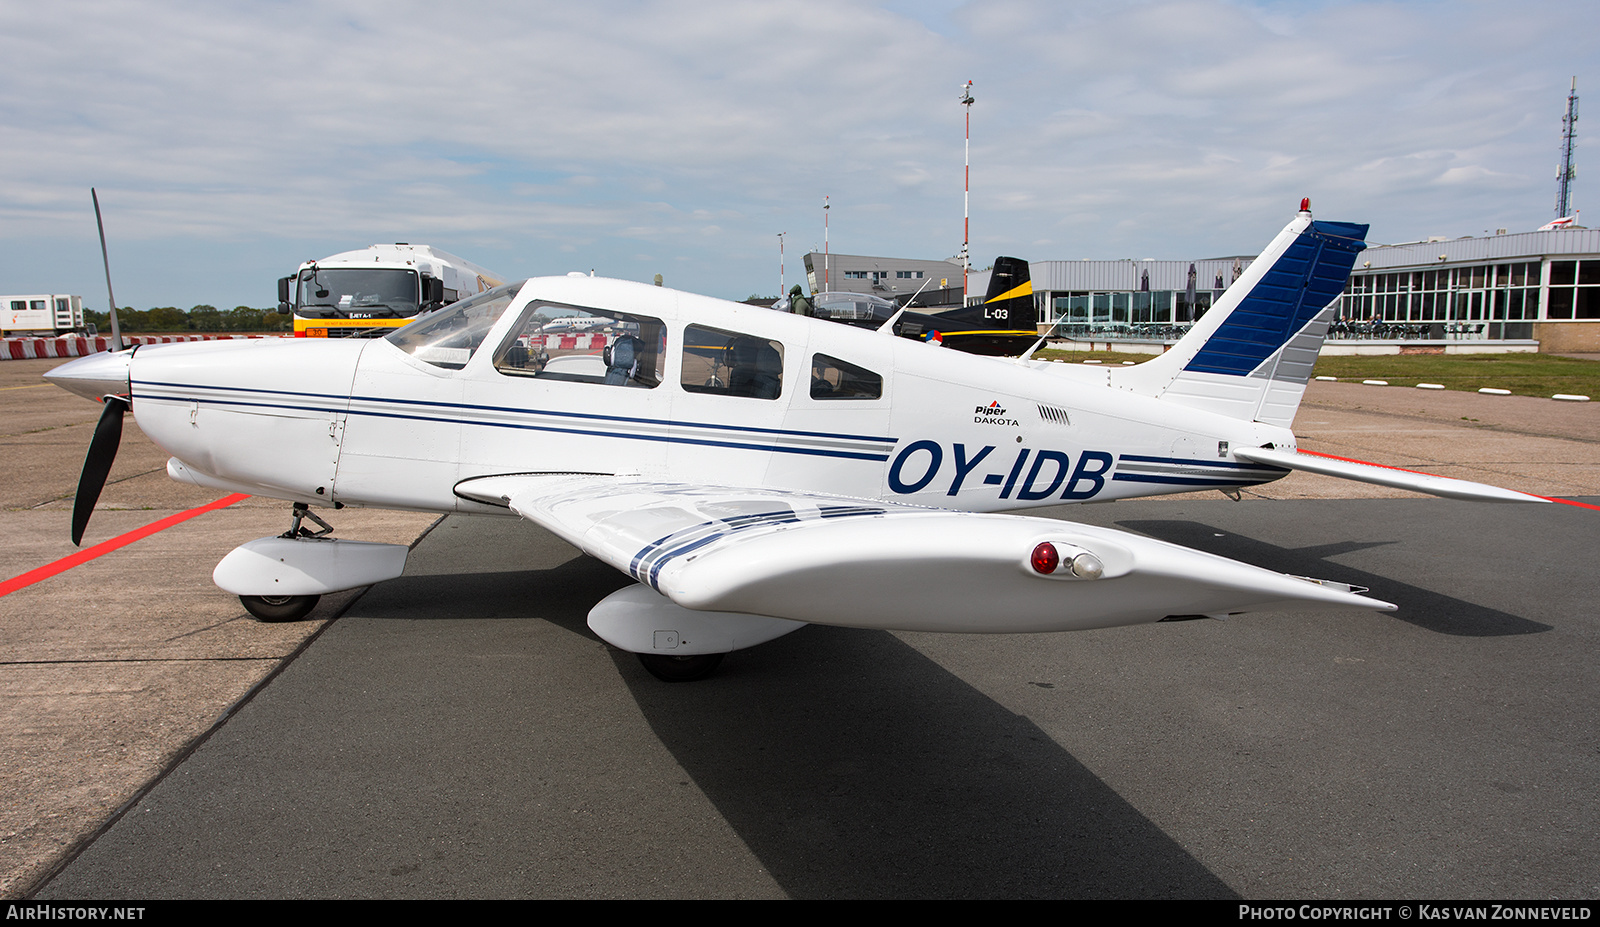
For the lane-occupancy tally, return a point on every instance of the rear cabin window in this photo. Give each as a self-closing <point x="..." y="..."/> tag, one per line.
<point x="832" y="378"/>
<point x="731" y="364"/>
<point x="553" y="341"/>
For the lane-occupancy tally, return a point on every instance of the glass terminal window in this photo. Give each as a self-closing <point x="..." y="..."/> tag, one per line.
<point x="731" y="364"/>
<point x="559" y="342"/>
<point x="448" y="338"/>
<point x="832" y="378"/>
<point x="1569" y="301"/>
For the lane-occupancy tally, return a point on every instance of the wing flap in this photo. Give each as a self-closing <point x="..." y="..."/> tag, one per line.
<point x="840" y="561"/>
<point x="1363" y="472"/>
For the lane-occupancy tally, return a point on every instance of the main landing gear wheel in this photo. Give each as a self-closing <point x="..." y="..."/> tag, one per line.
<point x="680" y="669"/>
<point x="279" y="607"/>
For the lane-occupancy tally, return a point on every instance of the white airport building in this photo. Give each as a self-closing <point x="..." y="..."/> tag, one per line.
<point x="1524" y="291"/>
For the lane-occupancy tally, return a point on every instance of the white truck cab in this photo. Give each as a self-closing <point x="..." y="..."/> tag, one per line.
<point x="362" y="294"/>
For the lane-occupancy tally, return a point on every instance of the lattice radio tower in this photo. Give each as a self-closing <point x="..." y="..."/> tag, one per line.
<point x="1569" y="131"/>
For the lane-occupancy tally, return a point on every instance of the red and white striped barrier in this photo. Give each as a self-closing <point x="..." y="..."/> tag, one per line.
<point x="559" y="342"/>
<point x="30" y="348"/>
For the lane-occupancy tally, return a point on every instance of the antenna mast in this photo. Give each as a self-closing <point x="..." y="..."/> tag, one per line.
<point x="1569" y="131"/>
<point x="966" y="191"/>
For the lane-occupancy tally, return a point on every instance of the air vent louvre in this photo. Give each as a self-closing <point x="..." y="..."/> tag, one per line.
<point x="1053" y="414"/>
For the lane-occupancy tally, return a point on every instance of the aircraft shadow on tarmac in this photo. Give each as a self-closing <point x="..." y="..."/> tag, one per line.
<point x="1425" y="608"/>
<point x="854" y="766"/>
<point x="561" y="594"/>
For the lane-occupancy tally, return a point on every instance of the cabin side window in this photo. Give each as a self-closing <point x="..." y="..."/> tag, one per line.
<point x="731" y="364"/>
<point x="554" y="341"/>
<point x="832" y="378"/>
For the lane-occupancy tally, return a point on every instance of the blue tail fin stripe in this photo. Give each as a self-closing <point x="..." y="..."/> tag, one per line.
<point x="1308" y="276"/>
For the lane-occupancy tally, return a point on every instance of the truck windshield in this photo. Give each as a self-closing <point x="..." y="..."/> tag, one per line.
<point x="353" y="293"/>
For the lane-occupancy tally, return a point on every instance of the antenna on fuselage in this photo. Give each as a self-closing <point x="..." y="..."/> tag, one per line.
<point x="1022" y="361"/>
<point x="914" y="296"/>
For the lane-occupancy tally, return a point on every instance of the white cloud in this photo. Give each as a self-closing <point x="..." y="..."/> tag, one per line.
<point x="231" y="135"/>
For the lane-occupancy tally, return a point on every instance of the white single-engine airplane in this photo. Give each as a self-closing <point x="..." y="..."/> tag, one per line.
<point x="756" y="471"/>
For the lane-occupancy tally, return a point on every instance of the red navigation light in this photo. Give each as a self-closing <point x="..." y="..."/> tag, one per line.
<point x="1305" y="204"/>
<point x="1045" y="559"/>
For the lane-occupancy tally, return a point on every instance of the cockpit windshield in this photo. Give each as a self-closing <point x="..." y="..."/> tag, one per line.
<point x="357" y="293"/>
<point x="448" y="337"/>
<point x="852" y="307"/>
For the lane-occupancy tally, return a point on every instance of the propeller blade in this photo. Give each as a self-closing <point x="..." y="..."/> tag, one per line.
<point x="116" y="330"/>
<point x="97" y="464"/>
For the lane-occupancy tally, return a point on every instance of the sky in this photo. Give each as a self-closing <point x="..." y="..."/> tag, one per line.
<point x="231" y="141"/>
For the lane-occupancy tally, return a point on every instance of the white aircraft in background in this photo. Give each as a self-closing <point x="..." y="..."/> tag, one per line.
<point x="756" y="471"/>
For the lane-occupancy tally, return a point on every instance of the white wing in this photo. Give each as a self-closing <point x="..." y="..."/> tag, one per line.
<point x="1363" y="472"/>
<point x="841" y="561"/>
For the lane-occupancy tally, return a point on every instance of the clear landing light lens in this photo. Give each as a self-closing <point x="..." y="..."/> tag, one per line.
<point x="1087" y="566"/>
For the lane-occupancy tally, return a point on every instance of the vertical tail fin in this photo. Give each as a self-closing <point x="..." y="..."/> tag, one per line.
<point x="1010" y="289"/>
<point x="1007" y="307"/>
<point x="1250" y="356"/>
<point x="1002" y="324"/>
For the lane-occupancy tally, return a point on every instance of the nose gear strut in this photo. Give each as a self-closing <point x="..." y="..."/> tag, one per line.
<point x="301" y="510"/>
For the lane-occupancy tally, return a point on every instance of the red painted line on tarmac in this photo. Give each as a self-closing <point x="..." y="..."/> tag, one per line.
<point x="1581" y="505"/>
<point x="105" y="547"/>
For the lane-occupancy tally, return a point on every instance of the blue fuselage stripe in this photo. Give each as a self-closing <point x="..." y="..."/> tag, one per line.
<point x="383" y="400"/>
<point x="1191" y="462"/>
<point x="866" y="454"/>
<point x="1219" y="480"/>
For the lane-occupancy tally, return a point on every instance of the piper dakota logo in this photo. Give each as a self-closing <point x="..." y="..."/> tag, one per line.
<point x="992" y="414"/>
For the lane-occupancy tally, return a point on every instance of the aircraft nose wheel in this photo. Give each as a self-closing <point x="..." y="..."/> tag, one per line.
<point x="680" y="669"/>
<point x="279" y="607"/>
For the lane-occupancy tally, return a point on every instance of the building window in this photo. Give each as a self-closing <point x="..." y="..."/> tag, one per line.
<point x="1475" y="293"/>
<point x="1574" y="290"/>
